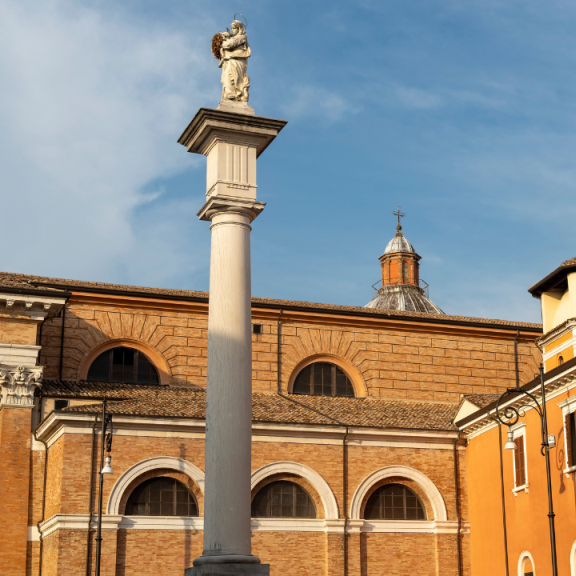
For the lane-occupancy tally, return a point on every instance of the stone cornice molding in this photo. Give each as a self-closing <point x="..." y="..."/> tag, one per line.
<point x="115" y="522"/>
<point x="432" y="493"/>
<point x="486" y="419"/>
<point x="58" y="423"/>
<point x="29" y="306"/>
<point x="18" y="384"/>
<point x="556" y="332"/>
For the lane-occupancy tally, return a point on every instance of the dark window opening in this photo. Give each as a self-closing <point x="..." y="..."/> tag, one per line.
<point x="61" y="404"/>
<point x="283" y="499"/>
<point x="519" y="462"/>
<point x="394" y="502"/>
<point x="571" y="439"/>
<point x="323" y="379"/>
<point x="161" y="497"/>
<point x="123" y="365"/>
<point x="560" y="360"/>
<point x="256" y="328"/>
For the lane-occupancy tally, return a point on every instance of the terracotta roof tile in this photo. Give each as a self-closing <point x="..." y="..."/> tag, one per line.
<point x="570" y="262"/>
<point x="481" y="400"/>
<point x="139" y="400"/>
<point x="22" y="280"/>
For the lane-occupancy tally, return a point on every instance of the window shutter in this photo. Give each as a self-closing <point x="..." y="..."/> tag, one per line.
<point x="519" y="461"/>
<point x="568" y="422"/>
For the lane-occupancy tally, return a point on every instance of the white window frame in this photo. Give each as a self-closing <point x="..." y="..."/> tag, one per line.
<point x="573" y="560"/>
<point x="568" y="407"/>
<point x="525" y="556"/>
<point x="520" y="430"/>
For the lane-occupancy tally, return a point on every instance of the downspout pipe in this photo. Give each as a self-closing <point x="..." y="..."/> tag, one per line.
<point x="516" y="358"/>
<point x="43" y="491"/>
<point x="457" y="494"/>
<point x="278" y="355"/>
<point x="90" y="507"/>
<point x="345" y="497"/>
<point x="62" y="341"/>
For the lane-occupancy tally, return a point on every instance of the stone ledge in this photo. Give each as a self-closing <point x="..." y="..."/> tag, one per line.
<point x="229" y="570"/>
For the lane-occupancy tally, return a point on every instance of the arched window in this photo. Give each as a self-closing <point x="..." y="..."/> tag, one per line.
<point x="405" y="272"/>
<point x="394" y="502"/>
<point x="283" y="499"/>
<point x="525" y="566"/>
<point x="161" y="497"/>
<point x="560" y="360"/>
<point x="323" y="379"/>
<point x="123" y="365"/>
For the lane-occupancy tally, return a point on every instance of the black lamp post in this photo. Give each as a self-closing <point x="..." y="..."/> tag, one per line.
<point x="511" y="416"/>
<point x="104" y="469"/>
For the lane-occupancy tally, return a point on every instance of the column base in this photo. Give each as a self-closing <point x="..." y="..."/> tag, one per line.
<point x="229" y="570"/>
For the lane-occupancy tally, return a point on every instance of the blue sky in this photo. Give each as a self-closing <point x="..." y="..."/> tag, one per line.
<point x="463" y="112"/>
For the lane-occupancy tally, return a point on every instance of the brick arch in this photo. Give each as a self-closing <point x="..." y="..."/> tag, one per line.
<point x="163" y="473"/>
<point x="360" y="390"/>
<point x="313" y="478"/>
<point x="302" y="482"/>
<point x="163" y="368"/>
<point x="129" y="479"/>
<point x="414" y="486"/>
<point x="425" y="486"/>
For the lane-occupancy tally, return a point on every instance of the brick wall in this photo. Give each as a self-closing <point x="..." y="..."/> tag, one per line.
<point x="14" y="489"/>
<point x="395" y="360"/>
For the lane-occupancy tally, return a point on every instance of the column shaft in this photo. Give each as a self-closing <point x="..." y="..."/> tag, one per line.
<point x="229" y="390"/>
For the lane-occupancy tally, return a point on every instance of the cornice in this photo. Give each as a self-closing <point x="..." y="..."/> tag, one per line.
<point x="486" y="419"/>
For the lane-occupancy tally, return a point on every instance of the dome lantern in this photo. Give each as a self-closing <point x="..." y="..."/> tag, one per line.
<point x="401" y="287"/>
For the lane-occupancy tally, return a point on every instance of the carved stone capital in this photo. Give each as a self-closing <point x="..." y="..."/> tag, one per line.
<point x="18" y="384"/>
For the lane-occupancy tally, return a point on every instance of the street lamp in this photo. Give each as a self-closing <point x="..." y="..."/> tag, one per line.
<point x="104" y="469"/>
<point x="511" y="417"/>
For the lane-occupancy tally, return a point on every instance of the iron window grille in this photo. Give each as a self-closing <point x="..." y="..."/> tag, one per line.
<point x="323" y="379"/>
<point x="394" y="502"/>
<point x="123" y="365"/>
<point x="161" y="497"/>
<point x="283" y="499"/>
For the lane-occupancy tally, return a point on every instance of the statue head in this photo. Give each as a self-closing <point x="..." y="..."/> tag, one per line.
<point x="237" y="27"/>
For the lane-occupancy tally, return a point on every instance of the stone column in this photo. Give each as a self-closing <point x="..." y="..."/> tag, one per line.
<point x="231" y="141"/>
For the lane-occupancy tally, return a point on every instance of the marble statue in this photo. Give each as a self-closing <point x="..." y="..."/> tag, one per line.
<point x="234" y="54"/>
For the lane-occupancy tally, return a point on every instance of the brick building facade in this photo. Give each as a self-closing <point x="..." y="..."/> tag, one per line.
<point x="408" y="371"/>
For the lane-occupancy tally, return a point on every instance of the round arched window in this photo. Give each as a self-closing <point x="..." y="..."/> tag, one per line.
<point x="123" y="365"/>
<point x="283" y="499"/>
<point x="161" y="497"/>
<point x="394" y="502"/>
<point x="560" y="360"/>
<point x="323" y="379"/>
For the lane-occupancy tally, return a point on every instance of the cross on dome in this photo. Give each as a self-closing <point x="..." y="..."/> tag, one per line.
<point x="400" y="215"/>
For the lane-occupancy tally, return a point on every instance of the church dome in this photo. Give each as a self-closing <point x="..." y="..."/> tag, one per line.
<point x="399" y="244"/>
<point x="401" y="287"/>
<point x="403" y="297"/>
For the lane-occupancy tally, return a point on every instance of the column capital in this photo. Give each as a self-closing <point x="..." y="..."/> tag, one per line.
<point x="218" y="204"/>
<point x="17" y="385"/>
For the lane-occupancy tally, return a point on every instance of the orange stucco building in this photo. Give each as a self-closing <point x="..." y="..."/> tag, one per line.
<point x="509" y="507"/>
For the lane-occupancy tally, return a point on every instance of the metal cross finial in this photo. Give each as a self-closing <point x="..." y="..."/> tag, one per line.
<point x="400" y="215"/>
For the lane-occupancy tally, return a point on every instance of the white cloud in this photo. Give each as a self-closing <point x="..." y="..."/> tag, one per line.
<point x="91" y="107"/>
<point x="314" y="101"/>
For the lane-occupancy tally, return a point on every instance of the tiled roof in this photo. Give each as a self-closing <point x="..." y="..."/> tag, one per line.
<point x="481" y="400"/>
<point x="172" y="402"/>
<point x="11" y="280"/>
<point x="570" y="262"/>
